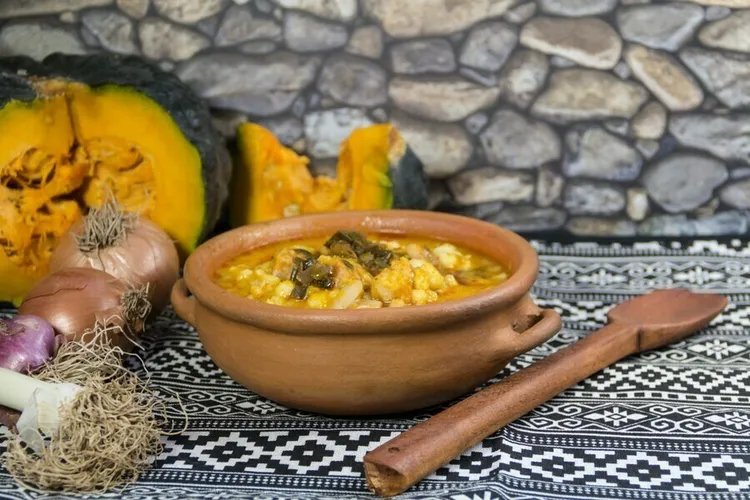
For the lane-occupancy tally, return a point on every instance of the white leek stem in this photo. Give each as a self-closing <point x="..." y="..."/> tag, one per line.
<point x="39" y="403"/>
<point x="16" y="389"/>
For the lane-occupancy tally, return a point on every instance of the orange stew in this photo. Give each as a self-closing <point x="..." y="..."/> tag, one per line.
<point x="351" y="270"/>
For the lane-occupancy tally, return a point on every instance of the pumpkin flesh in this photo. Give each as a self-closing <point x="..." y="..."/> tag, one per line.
<point x="66" y="150"/>
<point x="272" y="181"/>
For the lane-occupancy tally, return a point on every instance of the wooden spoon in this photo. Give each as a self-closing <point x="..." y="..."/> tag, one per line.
<point x="640" y="324"/>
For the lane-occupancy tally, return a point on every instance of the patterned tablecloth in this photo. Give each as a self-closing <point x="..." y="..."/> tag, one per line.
<point x="668" y="424"/>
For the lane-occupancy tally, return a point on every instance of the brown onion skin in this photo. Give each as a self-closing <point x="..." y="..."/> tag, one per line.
<point x="148" y="255"/>
<point x="72" y="301"/>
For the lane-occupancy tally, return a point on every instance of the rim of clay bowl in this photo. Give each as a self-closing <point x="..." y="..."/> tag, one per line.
<point x="515" y="251"/>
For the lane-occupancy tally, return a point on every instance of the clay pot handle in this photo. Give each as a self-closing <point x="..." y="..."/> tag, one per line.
<point x="183" y="305"/>
<point x="548" y="325"/>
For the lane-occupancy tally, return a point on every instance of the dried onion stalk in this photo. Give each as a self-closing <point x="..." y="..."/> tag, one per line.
<point x="127" y="246"/>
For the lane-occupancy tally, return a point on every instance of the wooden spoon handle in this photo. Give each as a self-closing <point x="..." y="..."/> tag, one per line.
<point x="401" y="462"/>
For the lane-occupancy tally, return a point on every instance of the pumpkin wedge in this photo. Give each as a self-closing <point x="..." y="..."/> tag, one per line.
<point x="376" y="169"/>
<point x="74" y="128"/>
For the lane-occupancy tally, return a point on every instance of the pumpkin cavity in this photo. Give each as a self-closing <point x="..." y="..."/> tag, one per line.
<point x="59" y="176"/>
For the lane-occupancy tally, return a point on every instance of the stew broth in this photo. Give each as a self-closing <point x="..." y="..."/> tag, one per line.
<point x="351" y="270"/>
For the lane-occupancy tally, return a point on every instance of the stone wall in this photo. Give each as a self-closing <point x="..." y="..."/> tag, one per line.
<point x="602" y="117"/>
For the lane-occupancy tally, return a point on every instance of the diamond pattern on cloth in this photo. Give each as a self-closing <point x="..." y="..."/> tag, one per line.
<point x="668" y="424"/>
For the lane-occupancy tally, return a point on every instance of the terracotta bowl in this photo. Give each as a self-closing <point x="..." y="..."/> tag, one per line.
<point x="366" y="361"/>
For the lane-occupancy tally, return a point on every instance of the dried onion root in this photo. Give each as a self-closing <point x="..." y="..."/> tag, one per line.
<point x="108" y="435"/>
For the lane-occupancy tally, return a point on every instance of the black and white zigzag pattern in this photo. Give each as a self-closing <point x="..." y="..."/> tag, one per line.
<point x="670" y="424"/>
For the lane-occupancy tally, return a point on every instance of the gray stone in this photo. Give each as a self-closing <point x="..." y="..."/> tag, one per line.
<point x="520" y="14"/>
<point x="731" y="33"/>
<point x="589" y="42"/>
<point x="637" y="207"/>
<point x="617" y="126"/>
<point x="724" y="136"/>
<point x="721" y="224"/>
<point x="647" y="147"/>
<point x="163" y="40"/>
<point x="379" y="115"/>
<point x="476" y="122"/>
<point x="422" y="56"/>
<point x="708" y="209"/>
<point x="660" y="26"/>
<point x="188" y="11"/>
<point x="353" y="81"/>
<point x="577" y="8"/>
<point x="523" y="77"/>
<point x="134" y="8"/>
<point x="592" y="198"/>
<point x="366" y="41"/>
<point x="737" y="194"/>
<point x="113" y="30"/>
<point x="561" y="62"/>
<point x="622" y="70"/>
<point x="443" y="148"/>
<point x="417" y="18"/>
<point x="482" y="185"/>
<point x="739" y="173"/>
<point x="585" y="94"/>
<point x="650" y="122"/>
<point x="38" y="40"/>
<point x="320" y="167"/>
<point x="262" y="86"/>
<point x="88" y="38"/>
<point x="264" y="6"/>
<point x="226" y="122"/>
<point x="257" y="47"/>
<point x="303" y="33"/>
<point x="714" y="13"/>
<point x="299" y="106"/>
<point x="167" y="65"/>
<point x="488" y="45"/>
<point x="326" y="130"/>
<point x="548" y="187"/>
<point x="239" y="25"/>
<point x="666" y="78"/>
<point x="683" y="181"/>
<point x="515" y="141"/>
<point x="19" y="8"/>
<point x="727" y="76"/>
<point x="69" y="17"/>
<point x="335" y="10"/>
<point x="732" y="222"/>
<point x="524" y="218"/>
<point x="735" y="4"/>
<point x="286" y="130"/>
<point x="436" y="194"/>
<point x="667" y="226"/>
<point x="595" y="226"/>
<point x="483" y="78"/>
<point x="208" y="26"/>
<point x="594" y="153"/>
<point x="443" y="99"/>
<point x="480" y="211"/>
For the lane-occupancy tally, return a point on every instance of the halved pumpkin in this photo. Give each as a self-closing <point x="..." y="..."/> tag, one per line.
<point x="75" y="128"/>
<point x="376" y="170"/>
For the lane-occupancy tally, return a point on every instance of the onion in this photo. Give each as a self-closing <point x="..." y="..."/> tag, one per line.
<point x="125" y="245"/>
<point x="73" y="300"/>
<point x="26" y="343"/>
